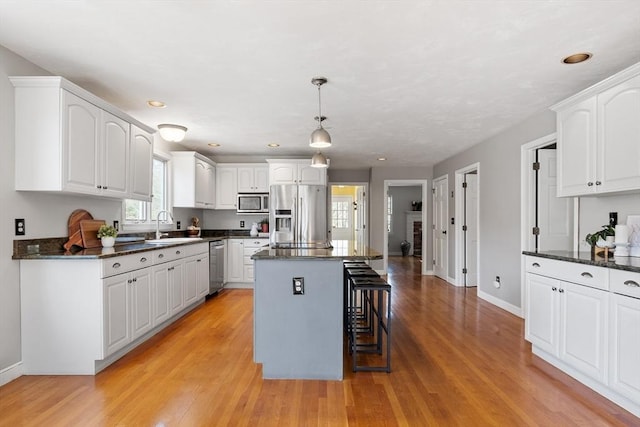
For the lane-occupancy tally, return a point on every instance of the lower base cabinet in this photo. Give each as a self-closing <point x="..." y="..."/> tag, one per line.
<point x="81" y="324"/>
<point x="624" y="375"/>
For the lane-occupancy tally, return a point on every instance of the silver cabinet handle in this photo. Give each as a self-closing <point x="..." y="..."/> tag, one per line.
<point x="161" y="256"/>
<point x="587" y="274"/>
<point x="632" y="283"/>
<point x="178" y="252"/>
<point x="554" y="289"/>
<point x="535" y="264"/>
<point x="116" y="265"/>
<point x="598" y="183"/>
<point x="561" y="290"/>
<point x="198" y="260"/>
<point x="143" y="259"/>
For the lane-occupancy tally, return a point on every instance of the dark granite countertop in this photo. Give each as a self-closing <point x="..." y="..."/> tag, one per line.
<point x="51" y="248"/>
<point x="620" y="263"/>
<point x="342" y="249"/>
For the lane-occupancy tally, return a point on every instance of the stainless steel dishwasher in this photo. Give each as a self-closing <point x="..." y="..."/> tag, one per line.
<point x="216" y="266"/>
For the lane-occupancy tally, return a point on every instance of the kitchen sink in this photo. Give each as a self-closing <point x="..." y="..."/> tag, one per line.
<point x="172" y="240"/>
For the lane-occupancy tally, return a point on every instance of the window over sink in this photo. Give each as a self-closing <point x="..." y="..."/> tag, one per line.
<point x="141" y="216"/>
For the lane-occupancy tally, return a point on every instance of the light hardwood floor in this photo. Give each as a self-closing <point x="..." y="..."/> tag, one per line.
<point x="456" y="360"/>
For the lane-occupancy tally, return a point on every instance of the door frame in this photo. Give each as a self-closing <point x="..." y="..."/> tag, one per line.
<point x="444" y="178"/>
<point x="459" y="215"/>
<point x="405" y="183"/>
<point x="367" y="215"/>
<point x="528" y="200"/>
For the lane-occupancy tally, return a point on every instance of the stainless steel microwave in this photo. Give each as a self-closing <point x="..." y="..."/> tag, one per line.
<point x="253" y="203"/>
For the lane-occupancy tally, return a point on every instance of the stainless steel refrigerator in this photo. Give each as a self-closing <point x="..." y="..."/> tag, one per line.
<point x="298" y="216"/>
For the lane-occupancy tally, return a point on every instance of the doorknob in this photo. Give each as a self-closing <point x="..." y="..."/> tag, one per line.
<point x="444" y="231"/>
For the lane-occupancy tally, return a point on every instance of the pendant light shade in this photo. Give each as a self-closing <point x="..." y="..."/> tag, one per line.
<point x="320" y="138"/>
<point x="319" y="161"/>
<point x="172" y="133"/>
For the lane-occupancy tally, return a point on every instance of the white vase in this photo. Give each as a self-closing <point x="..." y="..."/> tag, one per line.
<point x="108" y="242"/>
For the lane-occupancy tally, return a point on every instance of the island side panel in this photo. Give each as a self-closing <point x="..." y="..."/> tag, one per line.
<point x="298" y="336"/>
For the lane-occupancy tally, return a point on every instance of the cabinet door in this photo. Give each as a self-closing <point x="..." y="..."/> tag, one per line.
<point x="261" y="179"/>
<point x="117" y="330"/>
<point x="202" y="187"/>
<point x="311" y="175"/>
<point x="226" y="187"/>
<point x="190" y="280"/>
<point x="576" y="128"/>
<point x="202" y="275"/>
<point x="541" y="314"/>
<point x="619" y="137"/>
<point x="81" y="138"/>
<point x="141" y="312"/>
<point x="246" y="180"/>
<point x="176" y="286"/>
<point x="141" y="149"/>
<point x="249" y="274"/>
<point x="624" y="371"/>
<point x="283" y="173"/>
<point x="115" y="156"/>
<point x="583" y="328"/>
<point x="235" y="266"/>
<point x="161" y="292"/>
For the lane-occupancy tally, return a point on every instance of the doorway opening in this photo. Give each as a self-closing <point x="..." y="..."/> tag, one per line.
<point x="348" y="213"/>
<point x="405" y="212"/>
<point x="467" y="221"/>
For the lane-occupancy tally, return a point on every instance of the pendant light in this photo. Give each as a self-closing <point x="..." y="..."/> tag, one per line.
<point x="172" y="133"/>
<point x="320" y="138"/>
<point x="319" y="161"/>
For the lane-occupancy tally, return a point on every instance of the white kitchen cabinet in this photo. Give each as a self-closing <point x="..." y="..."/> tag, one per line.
<point x="253" y="179"/>
<point x="196" y="278"/>
<point x="161" y="299"/>
<point x="235" y="260"/>
<point x="567" y="320"/>
<point x="117" y="320"/>
<point x="202" y="274"/>
<point x="69" y="140"/>
<point x="226" y="187"/>
<point x="193" y="180"/>
<point x="295" y="172"/>
<point x="251" y="246"/>
<point x="176" y="286"/>
<point x="599" y="137"/>
<point x="141" y="164"/>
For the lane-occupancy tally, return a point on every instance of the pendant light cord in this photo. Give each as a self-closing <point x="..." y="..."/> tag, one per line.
<point x="319" y="106"/>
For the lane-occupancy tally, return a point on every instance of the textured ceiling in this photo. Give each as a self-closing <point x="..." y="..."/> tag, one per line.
<point x="413" y="81"/>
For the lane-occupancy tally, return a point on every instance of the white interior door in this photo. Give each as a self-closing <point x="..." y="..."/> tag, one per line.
<point x="360" y="216"/>
<point x="555" y="214"/>
<point x="342" y="218"/>
<point x="471" y="233"/>
<point x="440" y="221"/>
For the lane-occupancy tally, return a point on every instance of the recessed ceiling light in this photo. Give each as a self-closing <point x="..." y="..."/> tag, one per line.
<point x="213" y="144"/>
<point x="577" y="58"/>
<point x="273" y="145"/>
<point x="382" y="159"/>
<point x="156" y="104"/>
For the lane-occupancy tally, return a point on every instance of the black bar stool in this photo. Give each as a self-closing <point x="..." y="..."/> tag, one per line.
<point x="377" y="300"/>
<point x="355" y="303"/>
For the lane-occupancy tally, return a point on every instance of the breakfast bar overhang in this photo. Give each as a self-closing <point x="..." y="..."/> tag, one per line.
<point x="298" y="333"/>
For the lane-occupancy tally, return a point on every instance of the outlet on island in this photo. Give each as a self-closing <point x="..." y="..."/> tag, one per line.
<point x="241" y="224"/>
<point x="298" y="285"/>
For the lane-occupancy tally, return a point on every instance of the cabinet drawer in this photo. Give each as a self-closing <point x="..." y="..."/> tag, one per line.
<point x="168" y="254"/>
<point x="589" y="275"/>
<point x="255" y="243"/>
<point x="124" y="264"/>
<point x="196" y="249"/>
<point x="625" y="283"/>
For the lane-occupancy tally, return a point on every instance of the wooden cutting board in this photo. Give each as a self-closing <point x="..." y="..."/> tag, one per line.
<point x="89" y="231"/>
<point x="75" y="237"/>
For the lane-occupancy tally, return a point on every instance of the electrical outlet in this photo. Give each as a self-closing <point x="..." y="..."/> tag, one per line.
<point x="496" y="283"/>
<point x="298" y="285"/>
<point x="116" y="225"/>
<point x="241" y="224"/>
<point x="178" y="225"/>
<point x="20" y="228"/>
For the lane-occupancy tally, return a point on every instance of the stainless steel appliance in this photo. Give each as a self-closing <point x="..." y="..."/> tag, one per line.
<point x="298" y="216"/>
<point x="216" y="266"/>
<point x="253" y="203"/>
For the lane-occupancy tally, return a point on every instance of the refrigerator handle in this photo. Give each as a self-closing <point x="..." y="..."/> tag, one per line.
<point x="299" y="221"/>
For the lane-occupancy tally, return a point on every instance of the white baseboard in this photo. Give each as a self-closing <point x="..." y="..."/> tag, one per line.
<point x="452" y="280"/>
<point x="10" y="373"/>
<point x="238" y="285"/>
<point x="428" y="273"/>
<point x="500" y="303"/>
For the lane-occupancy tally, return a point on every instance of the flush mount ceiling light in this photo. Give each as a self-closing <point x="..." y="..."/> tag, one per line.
<point x="382" y="159"/>
<point x="577" y="58"/>
<point x="213" y="144"/>
<point x="319" y="161"/>
<point x="156" y="104"/>
<point x="172" y="133"/>
<point x="320" y="138"/>
<point x="273" y="145"/>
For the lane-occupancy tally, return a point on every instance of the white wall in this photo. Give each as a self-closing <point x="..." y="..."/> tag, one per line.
<point x="229" y="220"/>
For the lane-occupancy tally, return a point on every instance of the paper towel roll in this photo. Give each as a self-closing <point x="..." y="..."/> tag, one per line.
<point x="622" y="234"/>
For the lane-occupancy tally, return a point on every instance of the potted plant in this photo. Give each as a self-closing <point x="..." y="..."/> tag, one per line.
<point x="107" y="235"/>
<point x="264" y="224"/>
<point x="593" y="238"/>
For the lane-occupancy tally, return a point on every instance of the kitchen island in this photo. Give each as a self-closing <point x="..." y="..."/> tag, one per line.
<point x="298" y="303"/>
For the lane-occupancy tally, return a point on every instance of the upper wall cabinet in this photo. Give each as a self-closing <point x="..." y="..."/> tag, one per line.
<point x="69" y="140"/>
<point x="194" y="180"/>
<point x="234" y="178"/>
<point x="226" y="186"/>
<point x="599" y="137"/>
<point x="295" y="172"/>
<point x="253" y="179"/>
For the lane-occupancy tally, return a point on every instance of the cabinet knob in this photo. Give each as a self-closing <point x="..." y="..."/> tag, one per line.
<point x="554" y="289"/>
<point x="161" y="256"/>
<point x="587" y="274"/>
<point x="99" y="186"/>
<point x="178" y="252"/>
<point x="598" y="183"/>
<point x="632" y="283"/>
<point x="104" y="188"/>
<point x="135" y="279"/>
<point x="129" y="281"/>
<point x="561" y="290"/>
<point x="535" y="264"/>
<point x="590" y="184"/>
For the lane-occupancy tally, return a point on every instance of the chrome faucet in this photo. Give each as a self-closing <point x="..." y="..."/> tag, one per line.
<point x="158" y="233"/>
